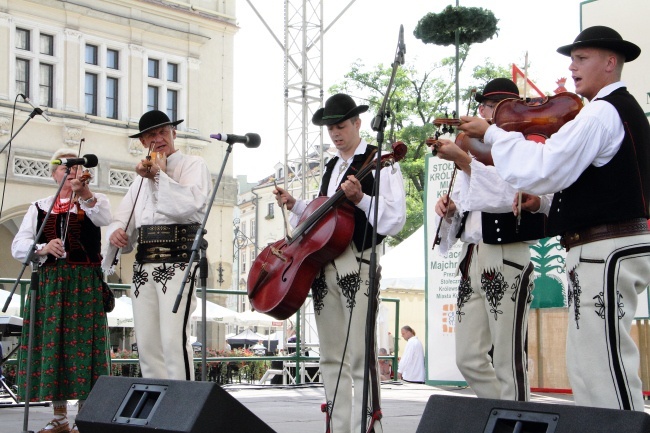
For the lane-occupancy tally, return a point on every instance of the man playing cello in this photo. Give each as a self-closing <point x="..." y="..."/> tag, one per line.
<point x="340" y="292"/>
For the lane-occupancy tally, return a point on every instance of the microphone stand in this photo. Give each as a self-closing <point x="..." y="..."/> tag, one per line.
<point x="33" y="288"/>
<point x="198" y="241"/>
<point x="379" y="125"/>
<point x="33" y="114"/>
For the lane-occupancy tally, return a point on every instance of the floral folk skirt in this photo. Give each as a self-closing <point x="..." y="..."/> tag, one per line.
<point x="70" y="348"/>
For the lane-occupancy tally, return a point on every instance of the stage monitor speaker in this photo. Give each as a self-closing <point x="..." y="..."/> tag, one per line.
<point x="451" y="414"/>
<point x="136" y="405"/>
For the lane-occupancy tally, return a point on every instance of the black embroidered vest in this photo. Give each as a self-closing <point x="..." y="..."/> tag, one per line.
<point x="617" y="191"/>
<point x="362" y="230"/>
<point x="501" y="228"/>
<point x="82" y="243"/>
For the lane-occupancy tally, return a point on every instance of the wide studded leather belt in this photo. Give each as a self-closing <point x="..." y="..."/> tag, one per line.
<point x="636" y="226"/>
<point x="165" y="243"/>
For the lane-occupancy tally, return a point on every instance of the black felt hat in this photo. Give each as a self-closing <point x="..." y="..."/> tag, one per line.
<point x="337" y="108"/>
<point x="602" y="37"/>
<point x="153" y="119"/>
<point x="497" y="90"/>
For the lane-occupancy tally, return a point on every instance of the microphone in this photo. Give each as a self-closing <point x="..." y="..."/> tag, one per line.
<point x="249" y="140"/>
<point x="37" y="109"/>
<point x="87" y="161"/>
<point x="401" y="46"/>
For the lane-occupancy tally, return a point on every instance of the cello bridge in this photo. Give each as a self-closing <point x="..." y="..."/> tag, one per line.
<point x="278" y="253"/>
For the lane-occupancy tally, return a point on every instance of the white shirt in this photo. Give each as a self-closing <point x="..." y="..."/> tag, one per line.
<point x="178" y="196"/>
<point x="100" y="215"/>
<point x="391" y="199"/>
<point x="483" y="191"/>
<point x="411" y="365"/>
<point x="592" y="138"/>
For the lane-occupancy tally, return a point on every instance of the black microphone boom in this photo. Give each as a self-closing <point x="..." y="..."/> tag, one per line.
<point x="36" y="109"/>
<point x="87" y="161"/>
<point x="249" y="140"/>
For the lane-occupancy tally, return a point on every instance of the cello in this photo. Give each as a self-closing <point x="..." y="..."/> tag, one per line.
<point x="282" y="274"/>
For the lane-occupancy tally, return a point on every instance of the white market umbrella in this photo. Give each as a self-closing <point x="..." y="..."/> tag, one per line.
<point x="255" y="318"/>
<point x="214" y="312"/>
<point x="14" y="308"/>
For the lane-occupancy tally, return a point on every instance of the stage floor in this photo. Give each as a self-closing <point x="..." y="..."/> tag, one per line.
<point x="296" y="409"/>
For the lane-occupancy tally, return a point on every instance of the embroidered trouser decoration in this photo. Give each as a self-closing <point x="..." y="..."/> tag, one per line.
<point x="605" y="280"/>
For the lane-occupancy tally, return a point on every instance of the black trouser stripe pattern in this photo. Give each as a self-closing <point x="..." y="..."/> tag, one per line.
<point x="611" y="321"/>
<point x="520" y="332"/>
<point x="186" y="318"/>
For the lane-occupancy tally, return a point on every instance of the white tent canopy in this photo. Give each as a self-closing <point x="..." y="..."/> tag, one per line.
<point x="14" y="306"/>
<point x="403" y="267"/>
<point x="122" y="314"/>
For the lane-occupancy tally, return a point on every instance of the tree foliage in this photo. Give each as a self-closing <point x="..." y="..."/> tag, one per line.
<point x="475" y="25"/>
<point x="416" y="99"/>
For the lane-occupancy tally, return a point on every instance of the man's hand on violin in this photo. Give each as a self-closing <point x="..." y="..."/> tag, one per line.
<point x="529" y="202"/>
<point x="282" y="197"/>
<point x="119" y="238"/>
<point x="475" y="127"/>
<point x="352" y="189"/>
<point x="53" y="247"/>
<point x="445" y="207"/>
<point x="149" y="168"/>
<point x="449" y="151"/>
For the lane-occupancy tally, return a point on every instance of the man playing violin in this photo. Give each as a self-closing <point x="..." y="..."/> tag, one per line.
<point x="494" y="294"/>
<point x="597" y="166"/>
<point x="167" y="202"/>
<point x="340" y="292"/>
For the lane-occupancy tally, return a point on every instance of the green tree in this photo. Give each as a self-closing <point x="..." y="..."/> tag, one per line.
<point x="417" y="98"/>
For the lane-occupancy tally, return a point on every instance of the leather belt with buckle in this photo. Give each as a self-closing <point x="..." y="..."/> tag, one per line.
<point x="165" y="243"/>
<point x="636" y="226"/>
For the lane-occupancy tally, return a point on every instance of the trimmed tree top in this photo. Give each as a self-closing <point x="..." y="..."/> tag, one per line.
<point x="476" y="25"/>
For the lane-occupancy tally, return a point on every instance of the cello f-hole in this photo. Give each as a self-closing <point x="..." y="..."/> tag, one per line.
<point x="286" y="269"/>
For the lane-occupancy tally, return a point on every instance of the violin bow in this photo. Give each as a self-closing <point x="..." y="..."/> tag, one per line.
<point x="283" y="206"/>
<point x="452" y="122"/>
<point x="519" y="194"/>
<point x="137" y="195"/>
<point x="64" y="230"/>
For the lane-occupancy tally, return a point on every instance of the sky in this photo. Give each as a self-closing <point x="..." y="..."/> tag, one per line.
<point x="368" y="31"/>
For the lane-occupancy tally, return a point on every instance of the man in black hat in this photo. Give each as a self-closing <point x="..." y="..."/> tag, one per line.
<point x="598" y="167"/>
<point x="496" y="272"/>
<point x="162" y="212"/>
<point x="340" y="292"/>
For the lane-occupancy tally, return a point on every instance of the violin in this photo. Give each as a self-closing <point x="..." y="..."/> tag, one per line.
<point x="85" y="177"/>
<point x="282" y="274"/>
<point x="537" y="119"/>
<point x="474" y="146"/>
<point x="152" y="158"/>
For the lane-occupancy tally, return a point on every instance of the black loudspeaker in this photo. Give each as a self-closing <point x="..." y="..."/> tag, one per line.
<point x="445" y="414"/>
<point x="136" y="405"/>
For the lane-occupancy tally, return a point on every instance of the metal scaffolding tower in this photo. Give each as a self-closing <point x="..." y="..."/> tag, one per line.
<point x="303" y="92"/>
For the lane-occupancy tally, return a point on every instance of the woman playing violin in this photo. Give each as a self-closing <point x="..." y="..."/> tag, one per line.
<point x="495" y="267"/>
<point x="70" y="340"/>
<point x="598" y="167"/>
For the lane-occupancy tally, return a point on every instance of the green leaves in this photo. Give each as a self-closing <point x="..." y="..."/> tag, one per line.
<point x="476" y="25"/>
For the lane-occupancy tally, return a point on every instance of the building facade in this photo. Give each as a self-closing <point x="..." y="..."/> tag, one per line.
<point x="95" y="67"/>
